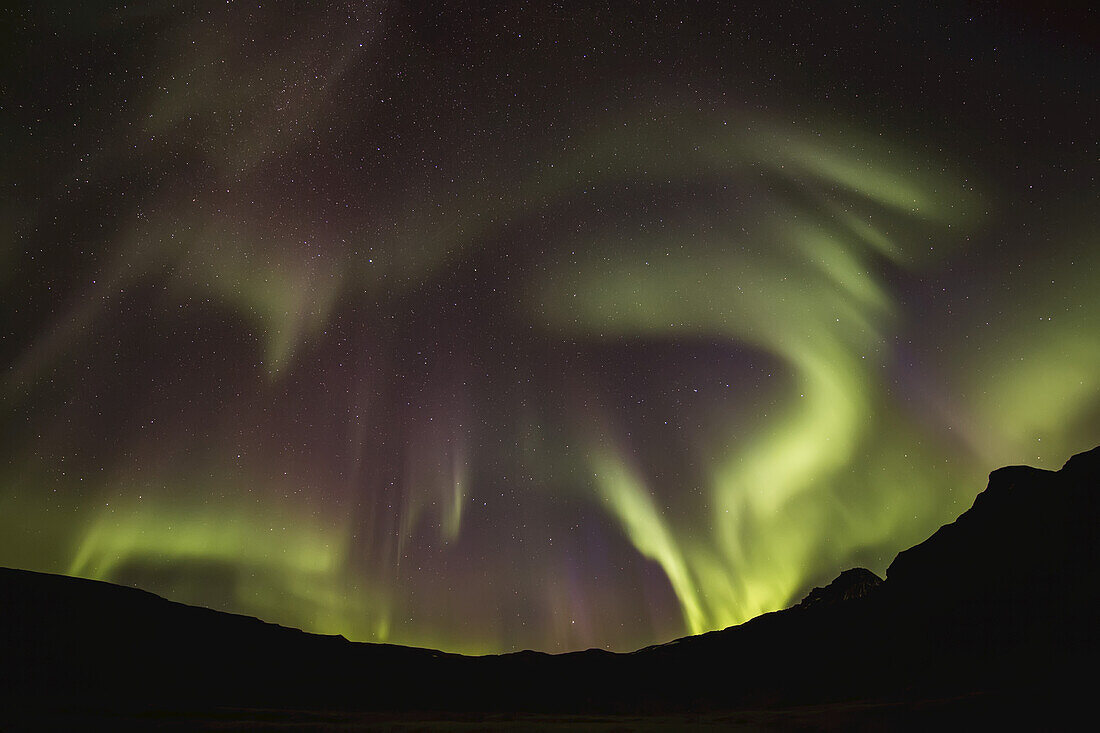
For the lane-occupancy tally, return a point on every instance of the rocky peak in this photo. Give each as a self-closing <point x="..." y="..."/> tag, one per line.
<point x="850" y="584"/>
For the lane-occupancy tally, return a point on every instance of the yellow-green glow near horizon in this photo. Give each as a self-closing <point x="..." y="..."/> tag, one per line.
<point x="519" y="331"/>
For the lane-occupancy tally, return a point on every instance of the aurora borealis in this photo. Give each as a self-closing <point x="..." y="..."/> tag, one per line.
<point x="532" y="326"/>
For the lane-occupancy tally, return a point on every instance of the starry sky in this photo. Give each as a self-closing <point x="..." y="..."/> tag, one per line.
<point x="532" y="325"/>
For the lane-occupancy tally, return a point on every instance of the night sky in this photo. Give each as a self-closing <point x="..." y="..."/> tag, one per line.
<point x="503" y="326"/>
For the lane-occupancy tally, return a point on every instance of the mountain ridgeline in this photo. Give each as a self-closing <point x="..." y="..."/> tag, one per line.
<point x="1001" y="602"/>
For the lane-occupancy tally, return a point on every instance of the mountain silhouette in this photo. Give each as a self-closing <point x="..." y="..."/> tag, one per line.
<point x="993" y="617"/>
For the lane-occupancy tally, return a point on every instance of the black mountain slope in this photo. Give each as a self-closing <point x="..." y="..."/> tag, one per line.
<point x="1002" y="603"/>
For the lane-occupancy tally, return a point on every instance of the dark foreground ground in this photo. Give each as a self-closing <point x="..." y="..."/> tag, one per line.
<point x="973" y="712"/>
